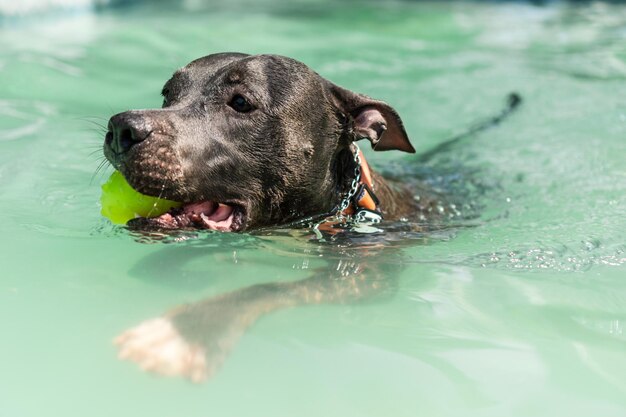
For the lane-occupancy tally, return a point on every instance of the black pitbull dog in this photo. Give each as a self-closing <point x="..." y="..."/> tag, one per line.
<point x="246" y="142"/>
<point x="251" y="141"/>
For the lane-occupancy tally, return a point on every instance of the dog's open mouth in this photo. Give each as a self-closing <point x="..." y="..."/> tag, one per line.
<point x="207" y="215"/>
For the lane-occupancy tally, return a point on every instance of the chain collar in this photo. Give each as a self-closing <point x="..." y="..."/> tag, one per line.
<point x="354" y="186"/>
<point x="351" y="213"/>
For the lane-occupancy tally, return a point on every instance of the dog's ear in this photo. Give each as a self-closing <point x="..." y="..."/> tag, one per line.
<point x="371" y="119"/>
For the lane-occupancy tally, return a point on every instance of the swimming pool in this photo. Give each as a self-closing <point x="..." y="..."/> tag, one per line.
<point x="518" y="311"/>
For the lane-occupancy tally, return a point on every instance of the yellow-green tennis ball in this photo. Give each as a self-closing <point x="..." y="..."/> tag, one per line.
<point x="120" y="202"/>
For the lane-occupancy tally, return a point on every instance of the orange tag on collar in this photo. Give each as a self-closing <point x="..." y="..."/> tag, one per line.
<point x="364" y="198"/>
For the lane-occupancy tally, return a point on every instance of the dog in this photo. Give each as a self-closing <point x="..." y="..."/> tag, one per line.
<point x="247" y="142"/>
<point x="253" y="141"/>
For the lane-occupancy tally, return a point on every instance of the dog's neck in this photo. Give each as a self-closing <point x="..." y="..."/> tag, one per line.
<point x="360" y="201"/>
<point x="375" y="193"/>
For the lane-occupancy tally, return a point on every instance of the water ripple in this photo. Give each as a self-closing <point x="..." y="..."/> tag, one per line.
<point x="23" y="118"/>
<point x="557" y="258"/>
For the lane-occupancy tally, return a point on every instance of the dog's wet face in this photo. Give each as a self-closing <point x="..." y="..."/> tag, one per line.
<point x="242" y="141"/>
<point x="236" y="138"/>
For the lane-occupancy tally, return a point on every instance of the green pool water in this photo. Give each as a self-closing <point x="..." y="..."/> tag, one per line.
<point x="516" y="308"/>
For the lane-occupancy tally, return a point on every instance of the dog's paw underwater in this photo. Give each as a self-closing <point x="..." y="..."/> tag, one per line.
<point x="121" y="203"/>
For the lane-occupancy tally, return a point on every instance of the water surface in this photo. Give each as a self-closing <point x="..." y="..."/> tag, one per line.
<point x="517" y="308"/>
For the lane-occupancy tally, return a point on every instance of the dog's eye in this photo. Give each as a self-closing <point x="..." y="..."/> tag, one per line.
<point x="240" y="104"/>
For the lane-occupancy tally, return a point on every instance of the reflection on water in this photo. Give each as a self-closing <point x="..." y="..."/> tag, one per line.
<point x="210" y="328"/>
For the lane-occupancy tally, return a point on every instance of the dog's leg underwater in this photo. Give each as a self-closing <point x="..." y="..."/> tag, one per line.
<point x="193" y="340"/>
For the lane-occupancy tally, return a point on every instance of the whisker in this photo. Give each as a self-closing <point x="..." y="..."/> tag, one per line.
<point x="159" y="197"/>
<point x="95" y="123"/>
<point x="103" y="164"/>
<point x="100" y="125"/>
<point x="92" y="146"/>
<point x="94" y="120"/>
<point x="91" y="117"/>
<point x="95" y="152"/>
<point x="97" y="127"/>
<point x="99" y="132"/>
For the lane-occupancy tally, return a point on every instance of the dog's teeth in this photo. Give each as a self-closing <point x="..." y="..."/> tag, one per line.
<point x="204" y="207"/>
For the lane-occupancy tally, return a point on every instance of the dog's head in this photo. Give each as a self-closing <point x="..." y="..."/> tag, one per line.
<point x="247" y="141"/>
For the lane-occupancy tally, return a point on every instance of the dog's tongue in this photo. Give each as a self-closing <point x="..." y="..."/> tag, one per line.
<point x="205" y="214"/>
<point x="212" y="215"/>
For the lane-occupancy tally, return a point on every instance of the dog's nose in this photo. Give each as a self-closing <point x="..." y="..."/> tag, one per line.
<point x="125" y="131"/>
